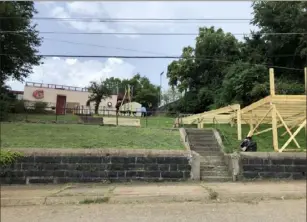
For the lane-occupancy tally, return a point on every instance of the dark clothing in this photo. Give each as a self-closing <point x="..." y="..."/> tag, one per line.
<point x="251" y="146"/>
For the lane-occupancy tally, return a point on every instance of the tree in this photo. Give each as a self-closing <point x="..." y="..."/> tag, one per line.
<point x="19" y="49"/>
<point x="99" y="91"/>
<point x="200" y="71"/>
<point x="144" y="92"/>
<point x="283" y="50"/>
<point x="242" y="84"/>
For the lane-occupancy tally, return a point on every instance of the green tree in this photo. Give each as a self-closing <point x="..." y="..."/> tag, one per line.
<point x="19" y="49"/>
<point x="200" y="71"/>
<point x="283" y="50"/>
<point x="99" y="91"/>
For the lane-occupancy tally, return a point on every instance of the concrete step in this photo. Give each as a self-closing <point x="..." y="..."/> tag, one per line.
<point x="205" y="153"/>
<point x="214" y="173"/>
<point x="200" y="136"/>
<point x="204" y="148"/>
<point x="211" y="158"/>
<point x="216" y="178"/>
<point x="216" y="162"/>
<point x="213" y="168"/>
<point x="204" y="134"/>
<point x="203" y="143"/>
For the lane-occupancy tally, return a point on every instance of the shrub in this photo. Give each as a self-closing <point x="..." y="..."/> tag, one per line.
<point x="18" y="107"/>
<point x="8" y="157"/>
<point x="40" y="107"/>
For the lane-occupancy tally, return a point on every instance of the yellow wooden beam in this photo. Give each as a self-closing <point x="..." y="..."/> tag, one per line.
<point x="305" y="73"/>
<point x="274" y="128"/>
<point x="239" y="125"/>
<point x="272" y="82"/>
<point x="288" y="130"/>
<point x="252" y="132"/>
<point x="256" y="104"/>
<point x="293" y="136"/>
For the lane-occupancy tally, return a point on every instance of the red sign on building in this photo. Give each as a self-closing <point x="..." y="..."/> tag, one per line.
<point x="38" y="94"/>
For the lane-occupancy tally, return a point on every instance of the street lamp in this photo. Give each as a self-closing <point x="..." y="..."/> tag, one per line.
<point x="160" y="93"/>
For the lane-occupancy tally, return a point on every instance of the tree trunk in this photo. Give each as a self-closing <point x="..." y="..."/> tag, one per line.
<point x="96" y="107"/>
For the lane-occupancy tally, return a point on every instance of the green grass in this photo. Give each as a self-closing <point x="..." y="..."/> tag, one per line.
<point x="42" y="117"/>
<point x="264" y="141"/>
<point x="152" y="121"/>
<point x="25" y="135"/>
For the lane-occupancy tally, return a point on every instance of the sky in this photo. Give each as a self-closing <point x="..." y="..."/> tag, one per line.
<point x="80" y="71"/>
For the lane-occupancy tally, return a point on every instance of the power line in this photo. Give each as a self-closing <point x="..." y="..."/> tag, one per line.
<point x="155" y="57"/>
<point x="102" y="46"/>
<point x="97" y="19"/>
<point x="148" y="52"/>
<point x="147" y="33"/>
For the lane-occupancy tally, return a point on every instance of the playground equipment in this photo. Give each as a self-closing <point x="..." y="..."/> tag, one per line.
<point x="276" y="110"/>
<point x="126" y="99"/>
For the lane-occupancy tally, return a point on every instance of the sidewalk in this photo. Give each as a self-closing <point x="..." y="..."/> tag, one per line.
<point x="143" y="193"/>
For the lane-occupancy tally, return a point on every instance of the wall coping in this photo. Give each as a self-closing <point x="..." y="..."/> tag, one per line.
<point x="273" y="155"/>
<point x="99" y="152"/>
<point x="184" y="139"/>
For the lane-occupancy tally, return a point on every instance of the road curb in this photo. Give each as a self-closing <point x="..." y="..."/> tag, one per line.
<point x="72" y="200"/>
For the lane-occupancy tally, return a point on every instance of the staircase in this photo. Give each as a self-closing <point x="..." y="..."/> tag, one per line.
<point x="212" y="165"/>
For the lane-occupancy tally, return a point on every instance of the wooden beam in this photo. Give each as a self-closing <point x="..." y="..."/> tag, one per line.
<point x="272" y="82"/>
<point x="296" y="122"/>
<point x="239" y="124"/>
<point x="305" y="73"/>
<point x="269" y="129"/>
<point x="251" y="133"/>
<point x="294" y="134"/>
<point x="256" y="104"/>
<point x="288" y="130"/>
<point x="251" y="126"/>
<point x="274" y="128"/>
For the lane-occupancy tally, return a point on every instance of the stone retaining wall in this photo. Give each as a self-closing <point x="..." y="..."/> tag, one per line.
<point x="267" y="165"/>
<point x="65" y="167"/>
<point x="274" y="165"/>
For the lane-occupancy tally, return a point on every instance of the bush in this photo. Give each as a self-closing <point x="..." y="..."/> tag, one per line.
<point x="18" y="107"/>
<point x="40" y="107"/>
<point x="8" y="157"/>
<point x="4" y="109"/>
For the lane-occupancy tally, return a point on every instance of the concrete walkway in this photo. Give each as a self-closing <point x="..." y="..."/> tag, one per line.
<point x="145" y="193"/>
<point x="268" y="211"/>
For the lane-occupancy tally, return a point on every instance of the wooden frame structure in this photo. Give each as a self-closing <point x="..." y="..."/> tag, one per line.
<point x="287" y="111"/>
<point x="226" y="115"/>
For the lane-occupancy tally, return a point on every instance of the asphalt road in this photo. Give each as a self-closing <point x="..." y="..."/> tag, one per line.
<point x="279" y="211"/>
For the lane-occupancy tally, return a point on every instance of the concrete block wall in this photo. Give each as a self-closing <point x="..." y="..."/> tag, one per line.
<point x="38" y="168"/>
<point x="262" y="165"/>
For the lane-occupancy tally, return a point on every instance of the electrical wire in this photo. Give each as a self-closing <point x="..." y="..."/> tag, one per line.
<point x="153" y="57"/>
<point x="146" y="33"/>
<point x="95" y="19"/>
<point x="102" y="46"/>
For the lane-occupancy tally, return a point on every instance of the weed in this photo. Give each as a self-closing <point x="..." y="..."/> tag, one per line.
<point x="97" y="200"/>
<point x="8" y="157"/>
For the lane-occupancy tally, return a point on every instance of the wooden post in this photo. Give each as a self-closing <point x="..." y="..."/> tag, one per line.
<point x="305" y="72"/>
<point x="274" y="128"/>
<point x="274" y="119"/>
<point x="251" y="125"/>
<point x="272" y="82"/>
<point x="239" y="125"/>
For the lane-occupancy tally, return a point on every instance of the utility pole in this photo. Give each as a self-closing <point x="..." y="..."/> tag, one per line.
<point x="160" y="93"/>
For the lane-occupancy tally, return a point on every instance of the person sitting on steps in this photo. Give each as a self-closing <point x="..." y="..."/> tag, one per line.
<point x="248" y="145"/>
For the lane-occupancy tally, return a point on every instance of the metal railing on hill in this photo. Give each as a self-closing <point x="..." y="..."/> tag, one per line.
<point x="32" y="114"/>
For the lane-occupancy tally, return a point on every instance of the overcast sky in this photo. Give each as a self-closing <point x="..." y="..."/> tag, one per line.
<point x="80" y="71"/>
